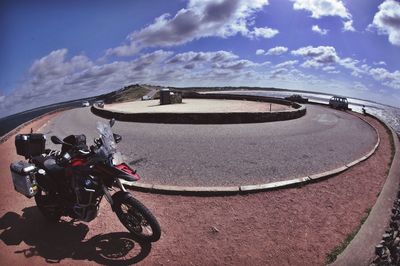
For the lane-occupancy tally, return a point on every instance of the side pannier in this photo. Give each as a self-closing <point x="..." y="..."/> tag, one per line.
<point x="23" y="178"/>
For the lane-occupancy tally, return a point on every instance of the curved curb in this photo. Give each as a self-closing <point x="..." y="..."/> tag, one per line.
<point x="360" y="251"/>
<point x="228" y="190"/>
<point x="210" y="118"/>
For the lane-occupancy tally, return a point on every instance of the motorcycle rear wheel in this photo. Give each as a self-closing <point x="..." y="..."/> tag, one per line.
<point x="136" y="217"/>
<point x="45" y="201"/>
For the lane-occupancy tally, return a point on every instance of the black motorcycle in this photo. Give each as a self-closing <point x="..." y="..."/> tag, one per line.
<point x="73" y="181"/>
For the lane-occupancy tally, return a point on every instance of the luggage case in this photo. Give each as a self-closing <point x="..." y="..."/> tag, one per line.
<point x="23" y="178"/>
<point x="29" y="145"/>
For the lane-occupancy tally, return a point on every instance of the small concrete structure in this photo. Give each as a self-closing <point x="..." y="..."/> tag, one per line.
<point x="170" y="97"/>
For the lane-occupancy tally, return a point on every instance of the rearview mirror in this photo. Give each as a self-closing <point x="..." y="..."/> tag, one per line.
<point x="56" y="140"/>
<point x="117" y="138"/>
<point x="112" y="122"/>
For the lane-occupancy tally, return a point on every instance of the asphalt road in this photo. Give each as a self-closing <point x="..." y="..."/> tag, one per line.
<point x="239" y="154"/>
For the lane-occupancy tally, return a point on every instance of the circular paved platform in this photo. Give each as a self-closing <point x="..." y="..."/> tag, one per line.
<point x="237" y="154"/>
<point x="196" y="106"/>
<point x="221" y="109"/>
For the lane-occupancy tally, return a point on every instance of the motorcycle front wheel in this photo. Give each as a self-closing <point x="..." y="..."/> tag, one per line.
<point x="136" y="217"/>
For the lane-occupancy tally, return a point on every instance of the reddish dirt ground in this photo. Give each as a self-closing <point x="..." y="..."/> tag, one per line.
<point x="296" y="226"/>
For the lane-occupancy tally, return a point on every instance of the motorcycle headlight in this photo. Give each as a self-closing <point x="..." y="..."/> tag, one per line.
<point x="117" y="158"/>
<point x="66" y="157"/>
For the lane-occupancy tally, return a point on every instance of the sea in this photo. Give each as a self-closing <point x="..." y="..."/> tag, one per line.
<point x="8" y="123"/>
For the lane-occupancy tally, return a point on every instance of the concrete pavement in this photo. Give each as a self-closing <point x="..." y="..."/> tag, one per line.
<point x="226" y="155"/>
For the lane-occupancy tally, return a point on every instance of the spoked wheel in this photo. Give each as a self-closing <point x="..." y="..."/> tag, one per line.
<point x="46" y="203"/>
<point x="136" y="217"/>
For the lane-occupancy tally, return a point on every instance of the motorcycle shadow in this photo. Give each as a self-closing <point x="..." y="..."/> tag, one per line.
<point x="55" y="242"/>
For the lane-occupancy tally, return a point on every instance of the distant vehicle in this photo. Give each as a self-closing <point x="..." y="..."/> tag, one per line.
<point x="146" y="98"/>
<point x="339" y="102"/>
<point x="296" y="98"/>
<point x="99" y="103"/>
<point x="85" y="104"/>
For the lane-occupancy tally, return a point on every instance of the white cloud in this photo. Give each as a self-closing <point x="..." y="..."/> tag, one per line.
<point x="348" y="26"/>
<point x="278" y="50"/>
<point x="334" y="72"/>
<point x="311" y="64"/>
<point x="390" y="79"/>
<point x="56" y="78"/>
<point x="318" y="56"/>
<point x="294" y="76"/>
<point x="190" y="57"/>
<point x="286" y="64"/>
<point x="324" y="8"/>
<point x="200" y="18"/>
<point x="328" y="68"/>
<point x="260" y="52"/>
<point x="352" y="64"/>
<point x="277" y="73"/>
<point x="265" y="32"/>
<point x="365" y="67"/>
<point x="331" y="70"/>
<point x="380" y="63"/>
<point x="360" y="86"/>
<point x="387" y="21"/>
<point x="325" y="57"/>
<point x="317" y="29"/>
<point x="55" y="64"/>
<point x="235" y="65"/>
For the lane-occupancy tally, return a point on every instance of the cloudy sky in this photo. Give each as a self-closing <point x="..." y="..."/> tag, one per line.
<point x="52" y="51"/>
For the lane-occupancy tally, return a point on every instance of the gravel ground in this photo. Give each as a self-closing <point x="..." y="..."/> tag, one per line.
<point x="239" y="154"/>
<point x="297" y="226"/>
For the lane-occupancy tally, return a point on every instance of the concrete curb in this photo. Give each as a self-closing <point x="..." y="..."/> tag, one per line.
<point x="220" y="190"/>
<point x="210" y="118"/>
<point x="360" y="251"/>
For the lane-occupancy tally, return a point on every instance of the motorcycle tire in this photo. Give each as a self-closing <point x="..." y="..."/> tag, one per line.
<point x="136" y="217"/>
<point x="46" y="204"/>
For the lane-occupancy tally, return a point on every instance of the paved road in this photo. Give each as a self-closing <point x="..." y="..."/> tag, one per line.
<point x="151" y="93"/>
<point x="240" y="154"/>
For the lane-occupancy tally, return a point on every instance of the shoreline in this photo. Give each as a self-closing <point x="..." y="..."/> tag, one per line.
<point x="13" y="131"/>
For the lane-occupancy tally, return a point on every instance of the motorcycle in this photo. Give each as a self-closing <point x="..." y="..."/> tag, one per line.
<point x="73" y="181"/>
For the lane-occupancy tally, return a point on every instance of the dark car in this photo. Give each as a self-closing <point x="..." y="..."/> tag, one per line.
<point x="297" y="98"/>
<point x="339" y="102"/>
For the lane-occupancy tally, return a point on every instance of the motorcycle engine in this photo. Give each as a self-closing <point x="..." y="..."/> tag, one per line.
<point x="85" y="214"/>
<point x="86" y="206"/>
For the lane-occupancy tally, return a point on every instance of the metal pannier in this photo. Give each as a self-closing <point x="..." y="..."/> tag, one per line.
<point x="23" y="178"/>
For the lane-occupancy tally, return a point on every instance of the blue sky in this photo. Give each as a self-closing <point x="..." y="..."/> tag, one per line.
<point x="52" y="51"/>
